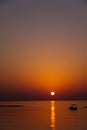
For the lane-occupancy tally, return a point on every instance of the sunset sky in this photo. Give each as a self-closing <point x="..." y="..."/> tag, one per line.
<point x="43" y="48"/>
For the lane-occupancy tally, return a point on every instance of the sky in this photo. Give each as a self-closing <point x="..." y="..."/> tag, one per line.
<point x="43" y="48"/>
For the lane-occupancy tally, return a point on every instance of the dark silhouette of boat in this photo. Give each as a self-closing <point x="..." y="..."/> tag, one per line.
<point x="73" y="107"/>
<point x="85" y="106"/>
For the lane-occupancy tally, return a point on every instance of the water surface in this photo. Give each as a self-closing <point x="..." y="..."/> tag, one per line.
<point x="43" y="115"/>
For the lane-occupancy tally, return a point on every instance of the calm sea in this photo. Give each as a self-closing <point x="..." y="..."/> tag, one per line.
<point x="43" y="115"/>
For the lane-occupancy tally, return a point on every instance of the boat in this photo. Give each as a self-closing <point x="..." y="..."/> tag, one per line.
<point x="85" y="106"/>
<point x="73" y="107"/>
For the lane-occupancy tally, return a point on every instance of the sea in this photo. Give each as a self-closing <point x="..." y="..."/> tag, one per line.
<point x="43" y="115"/>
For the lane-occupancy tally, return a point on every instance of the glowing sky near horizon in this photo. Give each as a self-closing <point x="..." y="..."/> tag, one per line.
<point x="43" y="44"/>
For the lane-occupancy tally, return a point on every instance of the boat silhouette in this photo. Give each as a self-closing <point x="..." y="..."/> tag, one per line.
<point x="73" y="107"/>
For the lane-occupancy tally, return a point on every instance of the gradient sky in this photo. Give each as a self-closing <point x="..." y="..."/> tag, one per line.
<point x="43" y="47"/>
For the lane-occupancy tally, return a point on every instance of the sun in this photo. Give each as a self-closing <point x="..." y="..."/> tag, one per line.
<point x="52" y="93"/>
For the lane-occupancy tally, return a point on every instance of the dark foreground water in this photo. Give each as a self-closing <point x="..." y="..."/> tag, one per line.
<point x="43" y="115"/>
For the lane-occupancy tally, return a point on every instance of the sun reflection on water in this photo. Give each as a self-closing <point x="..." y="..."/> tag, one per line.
<point x="52" y="125"/>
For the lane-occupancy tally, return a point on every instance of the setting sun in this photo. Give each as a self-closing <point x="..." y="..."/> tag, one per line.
<point x="52" y="93"/>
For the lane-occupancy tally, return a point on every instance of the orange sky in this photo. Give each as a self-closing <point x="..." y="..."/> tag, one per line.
<point x="43" y="45"/>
